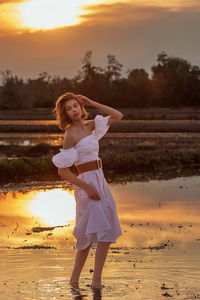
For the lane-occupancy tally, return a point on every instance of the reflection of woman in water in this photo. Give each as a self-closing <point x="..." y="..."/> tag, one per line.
<point x="96" y="215"/>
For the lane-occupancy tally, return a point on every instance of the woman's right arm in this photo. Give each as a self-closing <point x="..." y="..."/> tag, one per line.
<point x="69" y="176"/>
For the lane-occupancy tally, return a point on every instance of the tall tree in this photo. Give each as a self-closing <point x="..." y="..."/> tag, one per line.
<point x="171" y="78"/>
<point x="141" y="88"/>
<point x="113" y="68"/>
<point x="12" y="91"/>
<point x="88" y="71"/>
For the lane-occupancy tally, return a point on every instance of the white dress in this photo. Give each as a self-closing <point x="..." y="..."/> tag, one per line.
<point x="96" y="220"/>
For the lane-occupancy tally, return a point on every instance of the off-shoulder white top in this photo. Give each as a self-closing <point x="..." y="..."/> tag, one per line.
<point x="87" y="149"/>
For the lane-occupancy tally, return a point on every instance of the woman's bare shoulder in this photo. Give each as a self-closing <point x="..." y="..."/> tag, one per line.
<point x="90" y="124"/>
<point x="69" y="138"/>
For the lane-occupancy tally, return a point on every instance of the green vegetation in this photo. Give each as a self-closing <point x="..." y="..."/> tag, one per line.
<point x="25" y="169"/>
<point x="122" y="165"/>
<point x="38" y="149"/>
<point x="174" y="82"/>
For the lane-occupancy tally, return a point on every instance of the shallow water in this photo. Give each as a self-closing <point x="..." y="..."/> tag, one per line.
<point x="157" y="255"/>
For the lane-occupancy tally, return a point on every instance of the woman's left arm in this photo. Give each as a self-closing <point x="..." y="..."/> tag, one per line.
<point x="115" y="115"/>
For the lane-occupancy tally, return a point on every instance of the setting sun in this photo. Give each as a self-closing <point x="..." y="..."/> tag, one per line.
<point x="36" y="15"/>
<point x="50" y="14"/>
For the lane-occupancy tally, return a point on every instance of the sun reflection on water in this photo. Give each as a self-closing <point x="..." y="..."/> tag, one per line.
<point x="149" y="213"/>
<point x="54" y="207"/>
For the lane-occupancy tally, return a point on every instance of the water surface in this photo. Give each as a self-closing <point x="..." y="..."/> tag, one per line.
<point x="160" y="242"/>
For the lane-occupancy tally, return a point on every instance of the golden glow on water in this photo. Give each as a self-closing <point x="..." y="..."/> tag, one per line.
<point x="149" y="213"/>
<point x="159" y="246"/>
<point x="54" y="207"/>
<point x="50" y="207"/>
<point x="51" y="211"/>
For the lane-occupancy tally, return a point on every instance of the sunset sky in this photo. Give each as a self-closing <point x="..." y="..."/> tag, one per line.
<point x="54" y="35"/>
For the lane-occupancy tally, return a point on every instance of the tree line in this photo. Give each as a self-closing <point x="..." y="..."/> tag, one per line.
<point x="174" y="82"/>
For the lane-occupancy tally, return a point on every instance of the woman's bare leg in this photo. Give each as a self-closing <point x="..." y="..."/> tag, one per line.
<point x="81" y="257"/>
<point x="100" y="257"/>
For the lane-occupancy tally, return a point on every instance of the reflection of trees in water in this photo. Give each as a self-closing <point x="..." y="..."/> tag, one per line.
<point x="174" y="82"/>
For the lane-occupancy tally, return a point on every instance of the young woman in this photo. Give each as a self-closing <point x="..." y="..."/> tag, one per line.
<point x="96" y="215"/>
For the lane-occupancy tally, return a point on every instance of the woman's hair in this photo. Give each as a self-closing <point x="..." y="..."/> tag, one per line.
<point x="60" y="112"/>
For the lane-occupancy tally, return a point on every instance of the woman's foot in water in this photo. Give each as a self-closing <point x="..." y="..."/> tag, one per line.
<point x="74" y="284"/>
<point x="96" y="284"/>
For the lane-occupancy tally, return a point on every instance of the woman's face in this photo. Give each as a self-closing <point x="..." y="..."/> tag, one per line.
<point x="73" y="109"/>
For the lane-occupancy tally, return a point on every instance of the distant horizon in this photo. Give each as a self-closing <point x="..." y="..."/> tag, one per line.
<point x="124" y="73"/>
<point x="75" y="72"/>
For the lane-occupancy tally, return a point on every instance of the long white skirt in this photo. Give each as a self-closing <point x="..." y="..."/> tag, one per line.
<point x="96" y="220"/>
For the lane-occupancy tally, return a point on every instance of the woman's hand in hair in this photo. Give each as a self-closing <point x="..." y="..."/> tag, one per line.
<point x="84" y="100"/>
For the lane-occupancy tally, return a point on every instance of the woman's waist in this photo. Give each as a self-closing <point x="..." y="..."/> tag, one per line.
<point x="86" y="160"/>
<point x="89" y="166"/>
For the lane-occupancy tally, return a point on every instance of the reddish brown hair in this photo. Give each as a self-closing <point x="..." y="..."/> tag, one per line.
<point x="60" y="112"/>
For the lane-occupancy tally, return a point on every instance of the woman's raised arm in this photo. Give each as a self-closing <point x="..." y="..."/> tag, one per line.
<point x="115" y="115"/>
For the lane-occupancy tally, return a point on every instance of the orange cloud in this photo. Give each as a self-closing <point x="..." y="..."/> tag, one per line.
<point x="119" y="13"/>
<point x="9" y="17"/>
<point x="103" y="12"/>
<point x="9" y="2"/>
